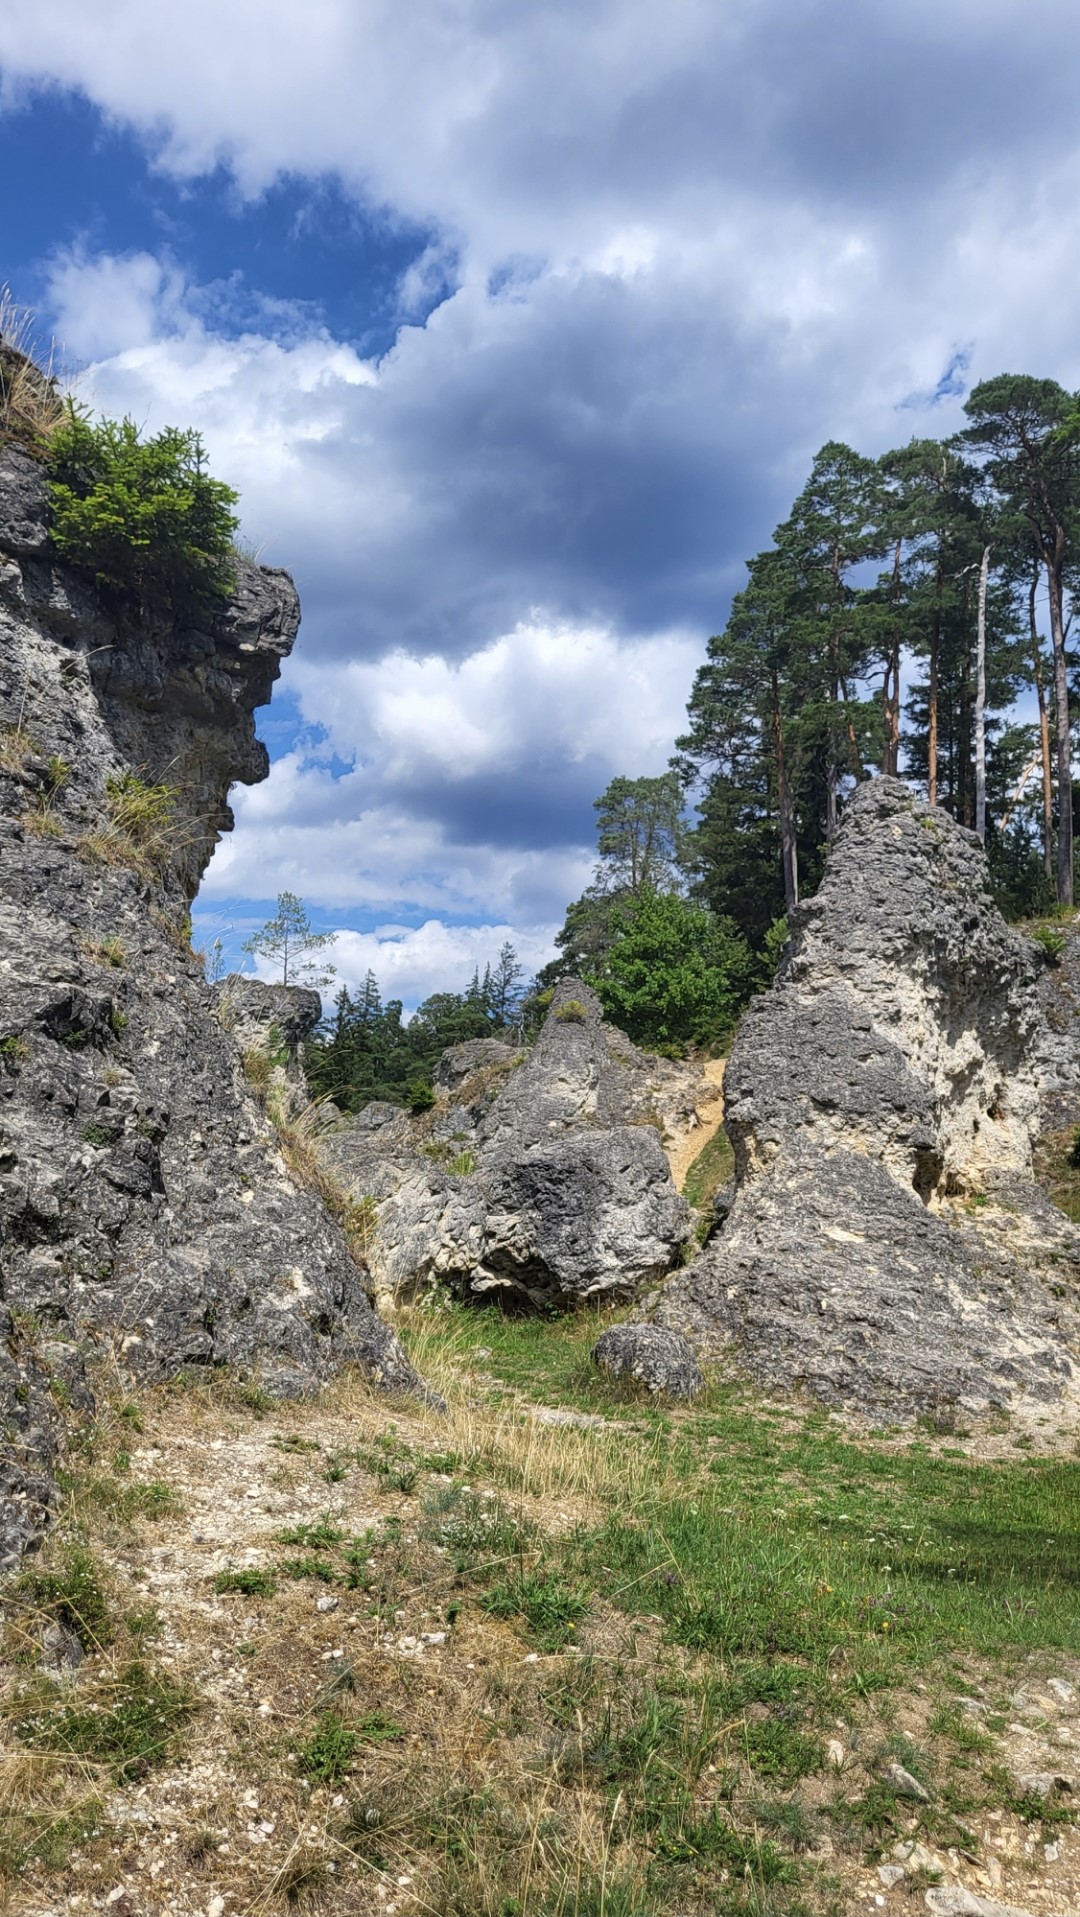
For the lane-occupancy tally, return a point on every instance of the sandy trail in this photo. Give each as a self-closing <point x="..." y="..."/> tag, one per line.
<point x="686" y="1147"/>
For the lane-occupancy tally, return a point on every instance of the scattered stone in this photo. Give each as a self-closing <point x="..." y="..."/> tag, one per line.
<point x="1041" y="1783"/>
<point x="327" y="1603"/>
<point x="893" y="1067"/>
<point x="61" y="1651"/>
<point x="662" y="1360"/>
<point x="952" y="1900"/>
<point x="916" y="1856"/>
<point x="891" y="1875"/>
<point x="835" y="1754"/>
<point x="903" y="1783"/>
<point x="1062" y="1690"/>
<point x="553" y="1414"/>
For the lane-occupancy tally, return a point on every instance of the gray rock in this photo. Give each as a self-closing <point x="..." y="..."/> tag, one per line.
<point x="542" y="1175"/>
<point x="267" y="1016"/>
<point x="891" y="1875"/>
<point x="460" y="1062"/>
<point x="61" y="1652"/>
<point x="145" y="1210"/>
<point x="903" y="1783"/>
<point x="1042" y="1783"/>
<point x="890" y="1076"/>
<point x="952" y="1900"/>
<point x="661" y="1360"/>
<point x="24" y="522"/>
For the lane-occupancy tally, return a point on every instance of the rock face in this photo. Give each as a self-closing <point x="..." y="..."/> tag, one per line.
<point x="544" y="1175"/>
<point x="145" y="1210"/>
<point x="886" y="1245"/>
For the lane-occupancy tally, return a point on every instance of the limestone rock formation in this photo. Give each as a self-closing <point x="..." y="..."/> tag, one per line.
<point x="661" y="1360"/>
<point x="543" y="1173"/>
<point x="887" y="1246"/>
<point x="145" y="1210"/>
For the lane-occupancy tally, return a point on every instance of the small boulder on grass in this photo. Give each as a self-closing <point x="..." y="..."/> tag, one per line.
<point x="663" y="1361"/>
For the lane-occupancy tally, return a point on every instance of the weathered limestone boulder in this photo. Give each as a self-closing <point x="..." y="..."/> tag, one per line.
<point x="887" y="1246"/>
<point x="269" y="1023"/>
<point x="145" y="1209"/>
<point x="651" y="1355"/>
<point x="267" y="1018"/>
<point x="460" y="1062"/>
<point x="542" y="1174"/>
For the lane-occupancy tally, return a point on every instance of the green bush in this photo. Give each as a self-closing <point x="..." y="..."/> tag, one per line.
<point x="141" y="516"/>
<point x="420" y="1094"/>
<point x="675" y="973"/>
<point x="572" y="1012"/>
<point x="1052" y="942"/>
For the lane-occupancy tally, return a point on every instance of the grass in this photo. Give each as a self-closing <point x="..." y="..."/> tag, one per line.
<point x="565" y="1669"/>
<point x="140" y="829"/>
<point x="710" y="1171"/>
<point x="31" y="395"/>
<point x="127" y="1727"/>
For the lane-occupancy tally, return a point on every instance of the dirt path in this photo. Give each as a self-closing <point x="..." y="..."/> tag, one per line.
<point x="686" y="1147"/>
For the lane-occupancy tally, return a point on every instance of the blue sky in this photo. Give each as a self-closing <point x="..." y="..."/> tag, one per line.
<point x="517" y="329"/>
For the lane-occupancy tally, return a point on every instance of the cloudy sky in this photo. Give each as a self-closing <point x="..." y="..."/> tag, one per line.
<point x="517" y="327"/>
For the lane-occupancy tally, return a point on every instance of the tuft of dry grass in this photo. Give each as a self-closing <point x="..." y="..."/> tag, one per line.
<point x="32" y="402"/>
<point x="16" y="747"/>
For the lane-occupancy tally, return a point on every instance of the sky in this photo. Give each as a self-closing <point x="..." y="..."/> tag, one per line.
<point x="517" y="328"/>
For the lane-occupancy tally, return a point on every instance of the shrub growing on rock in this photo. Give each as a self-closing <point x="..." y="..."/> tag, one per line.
<point x="141" y="516"/>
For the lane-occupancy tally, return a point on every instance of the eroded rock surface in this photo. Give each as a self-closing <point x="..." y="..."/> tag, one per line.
<point x="887" y="1246"/>
<point x="543" y="1173"/>
<point x="651" y="1355"/>
<point x="145" y="1209"/>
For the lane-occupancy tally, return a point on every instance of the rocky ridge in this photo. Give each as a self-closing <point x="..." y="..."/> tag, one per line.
<point x="146" y="1213"/>
<point x="887" y="1246"/>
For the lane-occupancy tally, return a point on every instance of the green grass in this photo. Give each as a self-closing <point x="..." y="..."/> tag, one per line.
<point x="73" y="1592"/>
<point x="327" y="1754"/>
<point x="710" y="1171"/>
<point x="129" y="1727"/>
<point x="251" y="1583"/>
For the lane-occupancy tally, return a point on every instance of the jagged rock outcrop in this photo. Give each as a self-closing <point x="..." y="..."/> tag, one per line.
<point x="270" y="1024"/>
<point x="543" y="1174"/>
<point x="145" y="1209"/>
<point x="887" y="1246"/>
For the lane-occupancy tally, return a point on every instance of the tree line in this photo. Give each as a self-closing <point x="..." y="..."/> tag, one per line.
<point x="905" y="609"/>
<point x="946" y="564"/>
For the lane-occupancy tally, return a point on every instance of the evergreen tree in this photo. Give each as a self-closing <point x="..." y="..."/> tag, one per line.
<point x="1027" y="430"/>
<point x="287" y="940"/>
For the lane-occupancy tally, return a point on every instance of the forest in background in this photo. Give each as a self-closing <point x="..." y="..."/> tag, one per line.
<point x="911" y="616"/>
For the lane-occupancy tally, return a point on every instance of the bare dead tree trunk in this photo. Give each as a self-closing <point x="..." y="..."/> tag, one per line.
<point x="980" y="701"/>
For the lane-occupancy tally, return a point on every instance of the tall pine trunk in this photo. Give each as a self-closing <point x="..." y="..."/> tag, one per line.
<point x="932" y="715"/>
<point x="980" y="702"/>
<point x="789" y="852"/>
<point x="1054" y="567"/>
<point x="1044" y="732"/>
